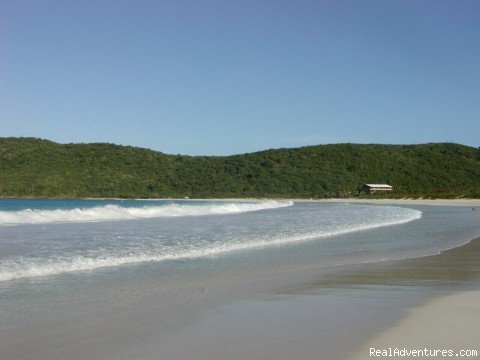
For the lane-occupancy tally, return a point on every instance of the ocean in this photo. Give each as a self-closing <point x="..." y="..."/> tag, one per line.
<point x="65" y="260"/>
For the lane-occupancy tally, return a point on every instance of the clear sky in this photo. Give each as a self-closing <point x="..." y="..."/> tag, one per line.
<point x="226" y="77"/>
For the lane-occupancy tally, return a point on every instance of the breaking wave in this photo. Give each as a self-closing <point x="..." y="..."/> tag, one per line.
<point x="32" y="268"/>
<point x="116" y="212"/>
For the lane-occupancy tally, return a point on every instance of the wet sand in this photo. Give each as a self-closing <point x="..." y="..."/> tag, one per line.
<point x="449" y="324"/>
<point x="449" y="320"/>
<point x="343" y="314"/>
<point x="335" y="316"/>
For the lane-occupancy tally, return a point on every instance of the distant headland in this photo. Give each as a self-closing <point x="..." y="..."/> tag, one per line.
<point x="31" y="167"/>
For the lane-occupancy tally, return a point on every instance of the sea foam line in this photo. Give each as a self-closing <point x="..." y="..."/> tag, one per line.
<point x="49" y="267"/>
<point x="116" y="212"/>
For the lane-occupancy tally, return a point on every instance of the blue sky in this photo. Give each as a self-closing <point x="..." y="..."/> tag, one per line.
<point x="225" y="77"/>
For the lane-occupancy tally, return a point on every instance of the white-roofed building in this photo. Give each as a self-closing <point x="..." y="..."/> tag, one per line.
<point x="371" y="188"/>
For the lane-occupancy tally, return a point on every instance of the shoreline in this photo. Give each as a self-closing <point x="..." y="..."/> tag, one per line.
<point x="386" y="201"/>
<point x="337" y="317"/>
<point x="449" y="318"/>
<point x="447" y="324"/>
<point x="430" y="202"/>
<point x="442" y="202"/>
<point x="305" y="313"/>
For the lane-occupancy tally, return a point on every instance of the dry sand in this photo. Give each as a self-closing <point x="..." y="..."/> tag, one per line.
<point x="444" y="202"/>
<point x="446" y="323"/>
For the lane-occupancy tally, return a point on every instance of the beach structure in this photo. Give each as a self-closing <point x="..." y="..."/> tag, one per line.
<point x="371" y="188"/>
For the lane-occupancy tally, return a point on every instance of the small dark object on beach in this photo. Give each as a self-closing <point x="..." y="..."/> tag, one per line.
<point x="474" y="209"/>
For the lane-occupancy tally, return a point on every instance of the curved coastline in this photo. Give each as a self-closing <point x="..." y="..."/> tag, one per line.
<point x="446" y="324"/>
<point x="446" y="317"/>
<point x="15" y="271"/>
<point x="334" y="315"/>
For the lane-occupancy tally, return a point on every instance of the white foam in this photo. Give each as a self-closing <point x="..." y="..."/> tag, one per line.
<point x="116" y="212"/>
<point x="46" y="267"/>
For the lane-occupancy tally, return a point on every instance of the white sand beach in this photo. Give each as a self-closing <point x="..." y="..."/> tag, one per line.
<point x="442" y="202"/>
<point x="446" y="323"/>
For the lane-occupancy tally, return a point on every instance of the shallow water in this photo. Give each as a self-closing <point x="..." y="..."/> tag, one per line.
<point x="44" y="240"/>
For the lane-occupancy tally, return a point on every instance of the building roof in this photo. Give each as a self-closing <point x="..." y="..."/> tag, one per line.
<point x="379" y="185"/>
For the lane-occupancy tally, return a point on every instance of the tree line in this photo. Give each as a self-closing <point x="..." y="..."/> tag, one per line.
<point x="31" y="167"/>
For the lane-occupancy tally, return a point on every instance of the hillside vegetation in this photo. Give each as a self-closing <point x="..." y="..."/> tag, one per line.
<point x="39" y="168"/>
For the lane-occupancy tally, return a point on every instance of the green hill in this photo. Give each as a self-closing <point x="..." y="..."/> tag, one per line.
<point x="39" y="168"/>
